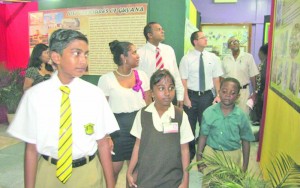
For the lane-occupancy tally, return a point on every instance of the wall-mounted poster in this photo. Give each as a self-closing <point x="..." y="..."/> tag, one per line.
<point x="285" y="60"/>
<point x="218" y="35"/>
<point x="101" y="25"/>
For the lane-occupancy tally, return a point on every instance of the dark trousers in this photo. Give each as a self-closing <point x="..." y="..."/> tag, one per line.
<point x="199" y="104"/>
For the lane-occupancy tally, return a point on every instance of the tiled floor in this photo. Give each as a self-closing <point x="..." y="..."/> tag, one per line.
<point x="12" y="156"/>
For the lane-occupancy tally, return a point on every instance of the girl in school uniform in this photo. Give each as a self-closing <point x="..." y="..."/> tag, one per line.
<point x="161" y="151"/>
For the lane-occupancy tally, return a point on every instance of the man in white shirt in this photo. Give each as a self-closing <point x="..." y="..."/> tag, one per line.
<point x="196" y="100"/>
<point x="241" y="66"/>
<point x="154" y="35"/>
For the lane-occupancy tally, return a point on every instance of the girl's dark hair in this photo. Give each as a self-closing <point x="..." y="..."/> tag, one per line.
<point x="230" y="79"/>
<point x="117" y="48"/>
<point x="264" y="49"/>
<point x="36" y="53"/>
<point x="158" y="75"/>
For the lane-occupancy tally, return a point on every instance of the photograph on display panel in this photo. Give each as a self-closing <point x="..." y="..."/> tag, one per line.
<point x="285" y="59"/>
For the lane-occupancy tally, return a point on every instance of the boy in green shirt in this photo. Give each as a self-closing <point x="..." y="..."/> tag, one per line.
<point x="225" y="127"/>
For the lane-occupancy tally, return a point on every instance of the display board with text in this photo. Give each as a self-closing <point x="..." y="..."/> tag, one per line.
<point x="101" y="25"/>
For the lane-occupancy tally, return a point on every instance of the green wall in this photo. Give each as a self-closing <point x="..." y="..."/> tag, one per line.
<point x="169" y="13"/>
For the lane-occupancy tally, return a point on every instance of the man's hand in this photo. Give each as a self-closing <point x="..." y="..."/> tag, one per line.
<point x="253" y="96"/>
<point x="217" y="99"/>
<point x="187" y="102"/>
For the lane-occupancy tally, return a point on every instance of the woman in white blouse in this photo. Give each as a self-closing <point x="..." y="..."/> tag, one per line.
<point x="127" y="91"/>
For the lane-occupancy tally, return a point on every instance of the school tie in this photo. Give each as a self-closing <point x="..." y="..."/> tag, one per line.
<point x="201" y="74"/>
<point x="159" y="61"/>
<point x="64" y="162"/>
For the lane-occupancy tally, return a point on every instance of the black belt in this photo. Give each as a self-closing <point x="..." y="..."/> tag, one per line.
<point x="75" y="163"/>
<point x="245" y="86"/>
<point x="199" y="93"/>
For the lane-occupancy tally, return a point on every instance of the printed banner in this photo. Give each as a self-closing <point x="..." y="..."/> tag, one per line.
<point x="100" y="24"/>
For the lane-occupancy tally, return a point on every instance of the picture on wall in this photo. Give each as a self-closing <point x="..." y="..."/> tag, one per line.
<point x="218" y="35"/>
<point x="285" y="59"/>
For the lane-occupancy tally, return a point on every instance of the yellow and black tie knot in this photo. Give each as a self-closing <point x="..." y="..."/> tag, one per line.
<point x="64" y="162"/>
<point x="65" y="89"/>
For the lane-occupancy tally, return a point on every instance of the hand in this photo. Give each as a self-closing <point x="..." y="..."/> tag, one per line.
<point x="180" y="104"/>
<point x="217" y="99"/>
<point x="201" y="167"/>
<point x="182" y="186"/>
<point x="253" y="96"/>
<point x="110" y="143"/>
<point x="187" y="103"/>
<point x="131" y="181"/>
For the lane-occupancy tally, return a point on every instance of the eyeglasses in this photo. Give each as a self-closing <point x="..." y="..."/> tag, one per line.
<point x="234" y="42"/>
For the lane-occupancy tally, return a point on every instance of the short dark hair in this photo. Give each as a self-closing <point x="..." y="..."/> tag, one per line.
<point x="158" y="75"/>
<point x="117" y="48"/>
<point x="148" y="29"/>
<point x="194" y="36"/>
<point x="230" y="79"/>
<point x="61" y="38"/>
<point x="264" y="49"/>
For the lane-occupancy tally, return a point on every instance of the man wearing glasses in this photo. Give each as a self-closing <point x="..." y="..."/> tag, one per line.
<point x="200" y="72"/>
<point x="241" y="65"/>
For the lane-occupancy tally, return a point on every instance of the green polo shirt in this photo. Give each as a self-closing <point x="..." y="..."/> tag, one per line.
<point x="225" y="132"/>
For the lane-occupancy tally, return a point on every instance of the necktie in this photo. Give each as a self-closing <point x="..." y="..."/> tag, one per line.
<point x="201" y="74"/>
<point x="64" y="162"/>
<point x="159" y="62"/>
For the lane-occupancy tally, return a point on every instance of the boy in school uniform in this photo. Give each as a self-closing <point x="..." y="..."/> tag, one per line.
<point x="65" y="120"/>
<point x="226" y="128"/>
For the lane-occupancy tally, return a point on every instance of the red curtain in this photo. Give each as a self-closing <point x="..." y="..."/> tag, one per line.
<point x="14" y="34"/>
<point x="3" y="48"/>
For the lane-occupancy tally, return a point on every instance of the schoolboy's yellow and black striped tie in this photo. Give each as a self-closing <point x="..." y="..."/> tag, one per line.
<point x="64" y="163"/>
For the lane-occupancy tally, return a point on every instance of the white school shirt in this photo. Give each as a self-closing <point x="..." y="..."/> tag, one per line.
<point x="186" y="134"/>
<point x="242" y="68"/>
<point x="123" y="100"/>
<point x="189" y="69"/>
<point x="147" y="64"/>
<point x="37" y="119"/>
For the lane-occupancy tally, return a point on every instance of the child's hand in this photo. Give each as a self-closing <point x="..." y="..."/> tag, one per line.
<point x="111" y="144"/>
<point x="201" y="168"/>
<point x="180" y="104"/>
<point x="131" y="181"/>
<point x="182" y="186"/>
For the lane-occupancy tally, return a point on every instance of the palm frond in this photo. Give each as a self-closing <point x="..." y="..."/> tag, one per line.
<point x="224" y="172"/>
<point x="284" y="172"/>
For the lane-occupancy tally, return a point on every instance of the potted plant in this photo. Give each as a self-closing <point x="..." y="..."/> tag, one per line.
<point x="11" y="88"/>
<point x="283" y="172"/>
